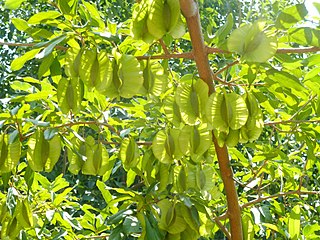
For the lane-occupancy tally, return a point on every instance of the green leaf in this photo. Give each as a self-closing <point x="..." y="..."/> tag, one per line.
<point x="94" y="15"/>
<point x="13" y="4"/>
<point x="67" y="6"/>
<point x="310" y="231"/>
<point x="317" y="6"/>
<point x="305" y="36"/>
<point x="275" y="228"/>
<point x="294" y="223"/>
<point x="18" y="63"/>
<point x="248" y="227"/>
<point x="285" y="79"/>
<point x="152" y="232"/>
<point x="222" y="33"/>
<point x="253" y="43"/>
<point x="291" y="15"/>
<point x="50" y="45"/>
<point x="105" y="192"/>
<point x="20" y="24"/>
<point x="42" y="16"/>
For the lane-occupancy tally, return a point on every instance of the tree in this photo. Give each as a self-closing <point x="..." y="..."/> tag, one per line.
<point x="165" y="130"/>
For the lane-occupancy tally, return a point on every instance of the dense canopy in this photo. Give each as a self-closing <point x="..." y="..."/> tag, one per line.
<point x="159" y="119"/>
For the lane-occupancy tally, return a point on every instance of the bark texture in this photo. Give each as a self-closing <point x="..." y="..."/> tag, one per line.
<point x="190" y="11"/>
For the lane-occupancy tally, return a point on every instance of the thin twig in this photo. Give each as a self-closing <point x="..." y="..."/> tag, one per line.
<point x="298" y="50"/>
<point x="260" y="199"/>
<point x="164" y="47"/>
<point x="291" y="121"/>
<point x="88" y="123"/>
<point x="97" y="237"/>
<point x="225" y="68"/>
<point x="186" y="55"/>
<point x="302" y="107"/>
<point x="223" y="228"/>
<point x="230" y="84"/>
<point x="256" y="173"/>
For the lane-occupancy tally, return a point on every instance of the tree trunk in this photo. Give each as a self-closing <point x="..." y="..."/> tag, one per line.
<point x="190" y="11"/>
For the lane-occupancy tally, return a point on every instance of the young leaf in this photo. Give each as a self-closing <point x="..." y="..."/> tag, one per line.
<point x="42" y="16"/>
<point x="291" y="15"/>
<point x="13" y="4"/>
<point x="18" y="63"/>
<point x="294" y="223"/>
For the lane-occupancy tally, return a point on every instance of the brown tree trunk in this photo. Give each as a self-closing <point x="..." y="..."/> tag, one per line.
<point x="190" y="11"/>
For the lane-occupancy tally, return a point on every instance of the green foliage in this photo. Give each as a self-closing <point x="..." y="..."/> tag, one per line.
<point x="97" y="139"/>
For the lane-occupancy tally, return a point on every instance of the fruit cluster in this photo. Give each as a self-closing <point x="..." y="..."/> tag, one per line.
<point x="152" y="19"/>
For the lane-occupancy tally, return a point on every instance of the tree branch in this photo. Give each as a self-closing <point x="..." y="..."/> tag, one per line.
<point x="225" y="68"/>
<point x="302" y="107"/>
<point x="211" y="50"/>
<point x="291" y="121"/>
<point x="164" y="47"/>
<point x="260" y="199"/>
<point x="223" y="228"/>
<point x="88" y="123"/>
<point x="186" y="55"/>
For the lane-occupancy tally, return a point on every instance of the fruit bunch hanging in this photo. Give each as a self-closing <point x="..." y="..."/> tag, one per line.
<point x="152" y="19"/>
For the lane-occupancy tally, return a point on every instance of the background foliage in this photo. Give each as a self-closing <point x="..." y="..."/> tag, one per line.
<point x="92" y="165"/>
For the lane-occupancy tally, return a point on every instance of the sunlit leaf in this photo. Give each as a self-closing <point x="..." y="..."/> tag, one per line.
<point x="13" y="4"/>
<point x="291" y="15"/>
